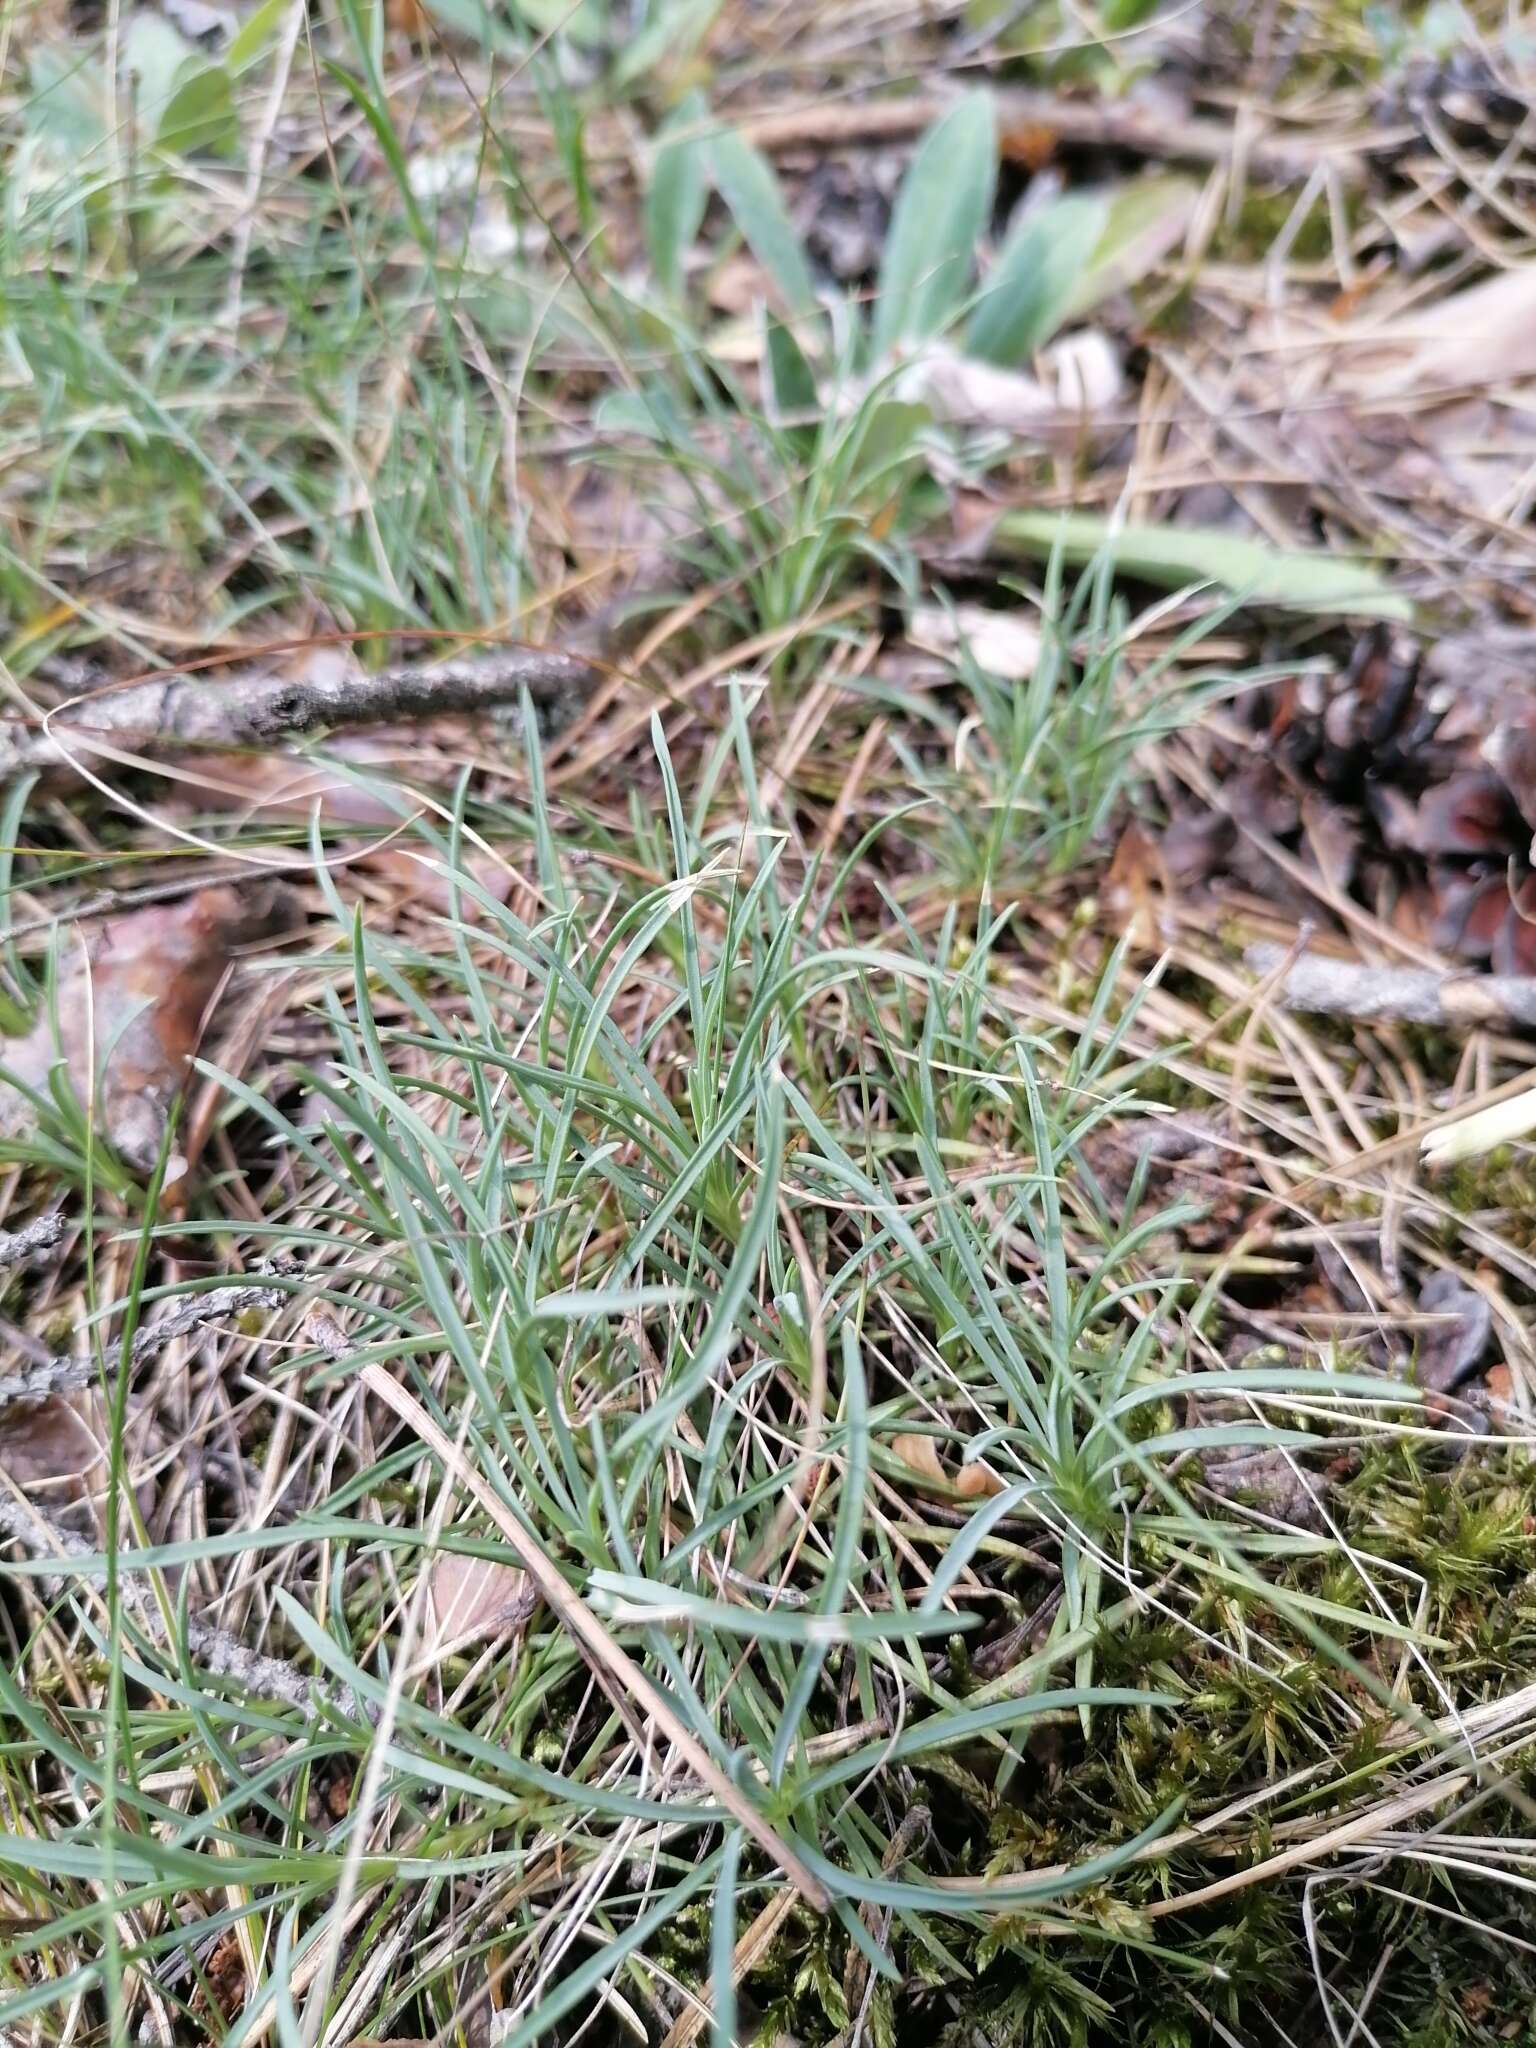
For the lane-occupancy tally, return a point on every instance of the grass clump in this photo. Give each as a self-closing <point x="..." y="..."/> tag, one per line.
<point x="709" y="1149"/>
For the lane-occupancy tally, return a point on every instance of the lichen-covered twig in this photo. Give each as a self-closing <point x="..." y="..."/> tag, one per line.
<point x="43" y="1234"/>
<point x="49" y="1376"/>
<point x="214" y="1649"/>
<point x="1401" y="995"/>
<point x="258" y="709"/>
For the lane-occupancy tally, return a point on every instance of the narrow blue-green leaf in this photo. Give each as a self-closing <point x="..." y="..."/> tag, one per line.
<point x="845" y="1548"/>
<point x="574" y="1990"/>
<point x="722" y="1944"/>
<point x="994" y="1894"/>
<point x="968" y="1724"/>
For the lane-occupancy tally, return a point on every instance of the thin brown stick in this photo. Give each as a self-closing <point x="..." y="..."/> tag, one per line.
<point x="259" y="708"/>
<point x="1406" y="995"/>
<point x="609" y="1663"/>
<point x="1139" y="128"/>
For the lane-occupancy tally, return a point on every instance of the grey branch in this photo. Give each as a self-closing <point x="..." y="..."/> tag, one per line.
<point x="215" y="1649"/>
<point x="42" y="1235"/>
<point x="1400" y="995"/>
<point x="67" y="1375"/>
<point x="256" y="709"/>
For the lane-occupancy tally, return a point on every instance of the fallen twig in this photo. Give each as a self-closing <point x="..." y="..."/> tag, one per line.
<point x="1140" y="128"/>
<point x="1404" y="995"/>
<point x="257" y="709"/>
<point x="215" y="1649"/>
<point x="41" y="1380"/>
<point x="43" y="1234"/>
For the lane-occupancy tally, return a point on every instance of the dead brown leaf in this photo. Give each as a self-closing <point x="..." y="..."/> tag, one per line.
<point x="225" y="1975"/>
<point x="414" y="878"/>
<point x="1268" y="1481"/>
<point x="1006" y="644"/>
<point x="1448" y="1351"/>
<point x="470" y="1598"/>
<point x="50" y="1449"/>
<point x="1138" y="891"/>
<point x="977" y="1482"/>
<point x="1477" y="337"/>
<point x="131" y="1002"/>
<point x="293" y="787"/>
<point x="921" y="1455"/>
<point x="1502" y="1405"/>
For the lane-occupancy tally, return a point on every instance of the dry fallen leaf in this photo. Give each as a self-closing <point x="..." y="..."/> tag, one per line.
<point x="129" y="1011"/>
<point x="1270" y="1482"/>
<point x="920" y="1453"/>
<point x="50" y="1449"/>
<point x="1483" y="335"/>
<point x="293" y="787"/>
<point x="469" y="1598"/>
<point x="1449" y="1349"/>
<point x="1138" y="891"/>
<point x="977" y="1482"/>
<point x="1502" y="1404"/>
<point x="1006" y="644"/>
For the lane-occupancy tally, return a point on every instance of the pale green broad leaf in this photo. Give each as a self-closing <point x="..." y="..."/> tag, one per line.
<point x="749" y="188"/>
<point x="678" y="191"/>
<point x="942" y="211"/>
<point x="181" y="100"/>
<point x="1038" y="271"/>
<point x="67" y="103"/>
<point x="256" y="34"/>
<point x="1068" y="257"/>
<point x="1144" y="222"/>
<point x="1171" y="556"/>
<point x="667" y="41"/>
<point x="585" y="22"/>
